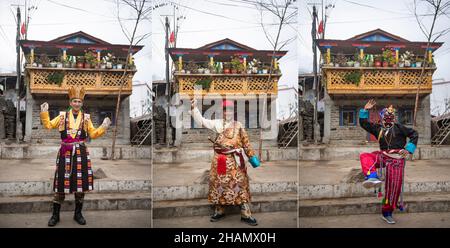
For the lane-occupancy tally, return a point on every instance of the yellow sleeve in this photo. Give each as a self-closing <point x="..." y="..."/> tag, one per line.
<point x="47" y="123"/>
<point x="94" y="132"/>
<point x="246" y="143"/>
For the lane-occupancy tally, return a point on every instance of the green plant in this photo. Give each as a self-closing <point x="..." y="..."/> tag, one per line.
<point x="237" y="64"/>
<point x="205" y="83"/>
<point x="44" y="60"/>
<point x="192" y="67"/>
<point x="353" y="77"/>
<point x="90" y="57"/>
<point x="55" y="78"/>
<point x="388" y="56"/>
<point x="340" y="59"/>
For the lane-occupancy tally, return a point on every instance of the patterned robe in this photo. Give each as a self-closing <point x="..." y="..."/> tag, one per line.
<point x="73" y="171"/>
<point x="232" y="187"/>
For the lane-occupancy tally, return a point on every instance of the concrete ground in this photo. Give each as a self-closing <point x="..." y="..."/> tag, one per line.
<point x="44" y="169"/>
<point x="188" y="173"/>
<point x="265" y="220"/>
<point x="407" y="220"/>
<point x="334" y="172"/>
<point x="94" y="219"/>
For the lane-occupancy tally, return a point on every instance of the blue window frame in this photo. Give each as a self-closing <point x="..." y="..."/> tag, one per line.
<point x="347" y="116"/>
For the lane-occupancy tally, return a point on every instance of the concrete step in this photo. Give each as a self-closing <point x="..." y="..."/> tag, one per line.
<point x="345" y="190"/>
<point x="199" y="191"/>
<point x="205" y="154"/>
<point x="92" y="201"/>
<point x="35" y="151"/>
<point x="44" y="187"/>
<point x="282" y="219"/>
<point x="418" y="202"/>
<point x="272" y="202"/>
<point x="342" y="152"/>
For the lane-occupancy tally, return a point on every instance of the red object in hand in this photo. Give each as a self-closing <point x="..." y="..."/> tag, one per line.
<point x="221" y="164"/>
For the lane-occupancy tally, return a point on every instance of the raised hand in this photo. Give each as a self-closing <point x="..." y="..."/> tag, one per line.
<point x="106" y="123"/>
<point x="44" y="107"/>
<point x="193" y="103"/>
<point x="370" y="104"/>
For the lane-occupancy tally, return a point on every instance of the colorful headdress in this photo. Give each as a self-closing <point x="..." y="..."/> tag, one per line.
<point x="76" y="93"/>
<point x="388" y="116"/>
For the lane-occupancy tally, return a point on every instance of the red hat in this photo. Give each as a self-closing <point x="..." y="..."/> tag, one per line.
<point x="227" y="103"/>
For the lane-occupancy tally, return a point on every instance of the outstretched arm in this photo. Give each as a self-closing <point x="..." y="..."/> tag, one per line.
<point x="97" y="132"/>
<point x="200" y="120"/>
<point x="364" y="122"/>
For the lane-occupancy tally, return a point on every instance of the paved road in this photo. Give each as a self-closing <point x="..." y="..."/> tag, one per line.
<point x="273" y="219"/>
<point x="106" y="219"/>
<point x="410" y="220"/>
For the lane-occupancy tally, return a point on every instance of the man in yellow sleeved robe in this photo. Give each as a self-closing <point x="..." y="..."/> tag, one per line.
<point x="73" y="166"/>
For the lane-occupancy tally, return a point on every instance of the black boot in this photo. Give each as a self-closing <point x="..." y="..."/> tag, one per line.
<point x="78" y="217"/>
<point x="216" y="217"/>
<point x="55" y="216"/>
<point x="249" y="220"/>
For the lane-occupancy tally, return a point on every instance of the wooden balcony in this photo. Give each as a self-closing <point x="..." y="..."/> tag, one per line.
<point x="96" y="81"/>
<point x="378" y="80"/>
<point x="235" y="84"/>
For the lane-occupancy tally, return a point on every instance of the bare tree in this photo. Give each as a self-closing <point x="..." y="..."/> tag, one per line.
<point x="285" y="12"/>
<point x="140" y="8"/>
<point x="439" y="8"/>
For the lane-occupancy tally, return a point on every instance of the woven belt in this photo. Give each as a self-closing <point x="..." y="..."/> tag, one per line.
<point x="73" y="143"/>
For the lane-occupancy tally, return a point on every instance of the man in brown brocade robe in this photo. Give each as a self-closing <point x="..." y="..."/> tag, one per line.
<point x="228" y="182"/>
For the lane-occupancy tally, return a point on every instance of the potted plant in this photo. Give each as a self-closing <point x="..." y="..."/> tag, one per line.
<point x="419" y="61"/>
<point x="236" y="65"/>
<point x="340" y="60"/>
<point x="56" y="78"/>
<point x="80" y="62"/>
<point x="357" y="60"/>
<point x="226" y="68"/>
<point x="191" y="67"/>
<point x="90" y="59"/>
<point x="353" y="77"/>
<point x="387" y="57"/>
<point x="406" y="58"/>
<point x="377" y="60"/>
<point x="204" y="83"/>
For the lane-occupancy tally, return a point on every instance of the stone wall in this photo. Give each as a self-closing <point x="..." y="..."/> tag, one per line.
<point x="92" y="106"/>
<point x="355" y="134"/>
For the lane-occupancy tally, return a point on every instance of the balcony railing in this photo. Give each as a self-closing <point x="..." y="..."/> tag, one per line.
<point x="228" y="83"/>
<point x="378" y="80"/>
<point x="95" y="81"/>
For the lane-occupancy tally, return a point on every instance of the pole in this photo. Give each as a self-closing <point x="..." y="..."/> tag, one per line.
<point x="18" y="77"/>
<point x="168" y="88"/>
<point x="316" y="83"/>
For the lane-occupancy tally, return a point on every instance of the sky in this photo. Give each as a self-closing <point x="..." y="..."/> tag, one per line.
<point x="212" y="20"/>
<point x="351" y="17"/>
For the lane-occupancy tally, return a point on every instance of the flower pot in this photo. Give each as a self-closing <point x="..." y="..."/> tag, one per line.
<point x="413" y="64"/>
<point x="119" y="66"/>
<point x="385" y="64"/>
<point x="53" y="64"/>
<point x="182" y="71"/>
<point x="80" y="65"/>
<point x="233" y="71"/>
<point x="34" y="65"/>
<point x="59" y="65"/>
<point x="103" y="66"/>
<point x="418" y="64"/>
<point x="40" y="65"/>
<point x="87" y="65"/>
<point x="336" y="65"/>
<point x="109" y="65"/>
<point x="265" y="71"/>
<point x="407" y="63"/>
<point x="207" y="71"/>
<point x="377" y="63"/>
<point x="226" y="71"/>
<point x="401" y="65"/>
<point x="357" y="64"/>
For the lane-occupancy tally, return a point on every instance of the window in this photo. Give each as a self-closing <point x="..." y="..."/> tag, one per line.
<point x="347" y="117"/>
<point x="405" y="116"/>
<point x="107" y="113"/>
